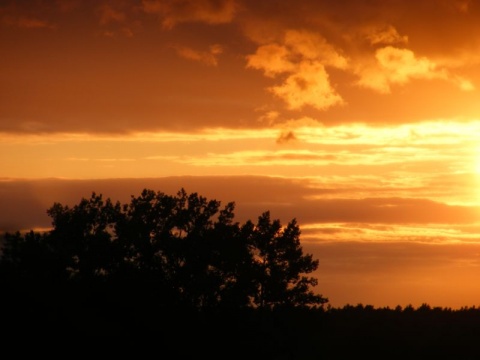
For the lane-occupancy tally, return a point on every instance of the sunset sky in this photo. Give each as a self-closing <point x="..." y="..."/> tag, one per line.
<point x="361" y="119"/>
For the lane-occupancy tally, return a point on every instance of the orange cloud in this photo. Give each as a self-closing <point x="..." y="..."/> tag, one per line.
<point x="114" y="20"/>
<point x="297" y="47"/>
<point x="108" y="15"/>
<point x="387" y="35"/>
<point x="303" y="56"/>
<point x="398" y="66"/>
<point x="180" y="11"/>
<point x="273" y="59"/>
<point x="309" y="85"/>
<point x="66" y="6"/>
<point x="27" y="22"/>
<point x="462" y="6"/>
<point x="312" y="46"/>
<point x="209" y="57"/>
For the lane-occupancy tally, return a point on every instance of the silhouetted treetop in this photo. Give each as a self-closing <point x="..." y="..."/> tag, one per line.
<point x="181" y="250"/>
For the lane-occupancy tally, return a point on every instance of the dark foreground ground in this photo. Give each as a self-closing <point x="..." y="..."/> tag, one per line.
<point x="352" y="332"/>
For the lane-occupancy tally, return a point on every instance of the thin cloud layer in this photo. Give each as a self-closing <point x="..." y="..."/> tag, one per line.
<point x="309" y="202"/>
<point x="174" y="12"/>
<point x="208" y="57"/>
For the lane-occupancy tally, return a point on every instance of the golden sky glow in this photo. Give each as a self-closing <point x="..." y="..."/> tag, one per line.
<point x="365" y="128"/>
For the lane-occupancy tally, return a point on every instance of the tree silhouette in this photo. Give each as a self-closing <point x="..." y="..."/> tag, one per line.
<point x="82" y="237"/>
<point x="26" y="257"/>
<point x="185" y="246"/>
<point x="281" y="265"/>
<point x="181" y="268"/>
<point x="156" y="256"/>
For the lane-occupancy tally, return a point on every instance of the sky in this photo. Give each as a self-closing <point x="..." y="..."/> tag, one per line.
<point x="360" y="119"/>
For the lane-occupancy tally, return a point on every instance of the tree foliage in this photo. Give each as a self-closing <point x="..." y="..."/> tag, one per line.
<point x="180" y="268"/>
<point x="172" y="251"/>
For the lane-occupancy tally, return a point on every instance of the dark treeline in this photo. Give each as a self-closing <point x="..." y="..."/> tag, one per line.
<point x="182" y="269"/>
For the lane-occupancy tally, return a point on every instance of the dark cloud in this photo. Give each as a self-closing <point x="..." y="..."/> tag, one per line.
<point x="286" y="137"/>
<point x="24" y="203"/>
